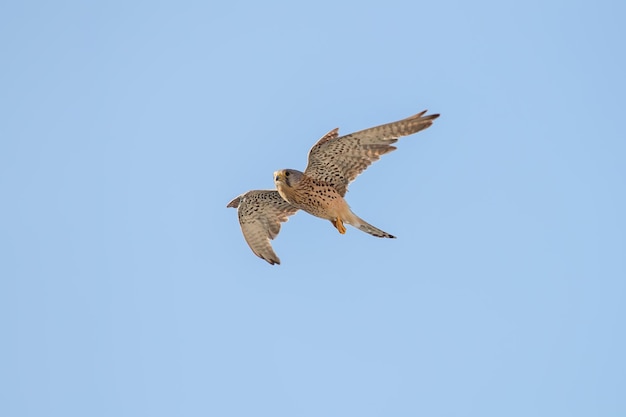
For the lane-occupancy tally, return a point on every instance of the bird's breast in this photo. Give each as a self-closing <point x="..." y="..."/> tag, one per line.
<point x="315" y="197"/>
<point x="285" y="192"/>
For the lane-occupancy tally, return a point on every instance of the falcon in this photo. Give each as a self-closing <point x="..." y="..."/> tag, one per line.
<point x="333" y="163"/>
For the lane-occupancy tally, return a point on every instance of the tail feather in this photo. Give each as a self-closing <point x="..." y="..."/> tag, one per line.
<point x="361" y="224"/>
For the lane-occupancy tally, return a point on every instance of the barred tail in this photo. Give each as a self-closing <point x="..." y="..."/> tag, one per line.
<point x="361" y="224"/>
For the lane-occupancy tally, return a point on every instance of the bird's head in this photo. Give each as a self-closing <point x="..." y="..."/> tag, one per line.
<point x="287" y="177"/>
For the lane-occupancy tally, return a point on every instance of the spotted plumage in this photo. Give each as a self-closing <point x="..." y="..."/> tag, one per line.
<point x="260" y="213"/>
<point x="333" y="163"/>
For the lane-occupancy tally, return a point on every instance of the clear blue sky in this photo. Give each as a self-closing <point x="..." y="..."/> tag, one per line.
<point x="127" y="289"/>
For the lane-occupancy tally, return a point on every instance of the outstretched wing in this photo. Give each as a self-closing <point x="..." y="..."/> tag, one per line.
<point x="338" y="160"/>
<point x="260" y="214"/>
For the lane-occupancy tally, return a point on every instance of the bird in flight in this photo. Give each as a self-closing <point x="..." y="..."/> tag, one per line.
<point x="333" y="163"/>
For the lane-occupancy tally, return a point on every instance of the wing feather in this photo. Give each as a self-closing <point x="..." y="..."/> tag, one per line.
<point x="260" y="214"/>
<point x="339" y="160"/>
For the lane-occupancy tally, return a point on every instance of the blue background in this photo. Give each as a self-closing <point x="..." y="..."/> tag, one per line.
<point x="127" y="288"/>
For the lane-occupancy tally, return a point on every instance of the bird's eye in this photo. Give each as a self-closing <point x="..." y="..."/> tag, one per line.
<point x="287" y="174"/>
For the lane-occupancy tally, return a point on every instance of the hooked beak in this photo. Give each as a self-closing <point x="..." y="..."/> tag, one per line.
<point x="279" y="176"/>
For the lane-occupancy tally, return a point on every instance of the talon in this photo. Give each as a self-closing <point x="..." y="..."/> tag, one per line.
<point x="338" y="223"/>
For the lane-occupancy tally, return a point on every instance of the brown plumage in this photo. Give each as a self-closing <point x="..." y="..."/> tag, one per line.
<point x="333" y="163"/>
<point x="260" y="213"/>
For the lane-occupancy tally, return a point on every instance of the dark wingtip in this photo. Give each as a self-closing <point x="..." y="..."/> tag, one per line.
<point x="430" y="116"/>
<point x="234" y="203"/>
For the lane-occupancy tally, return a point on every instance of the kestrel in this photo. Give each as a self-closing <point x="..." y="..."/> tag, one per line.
<point x="333" y="163"/>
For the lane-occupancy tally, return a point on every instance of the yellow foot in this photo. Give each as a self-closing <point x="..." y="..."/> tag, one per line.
<point x="338" y="223"/>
